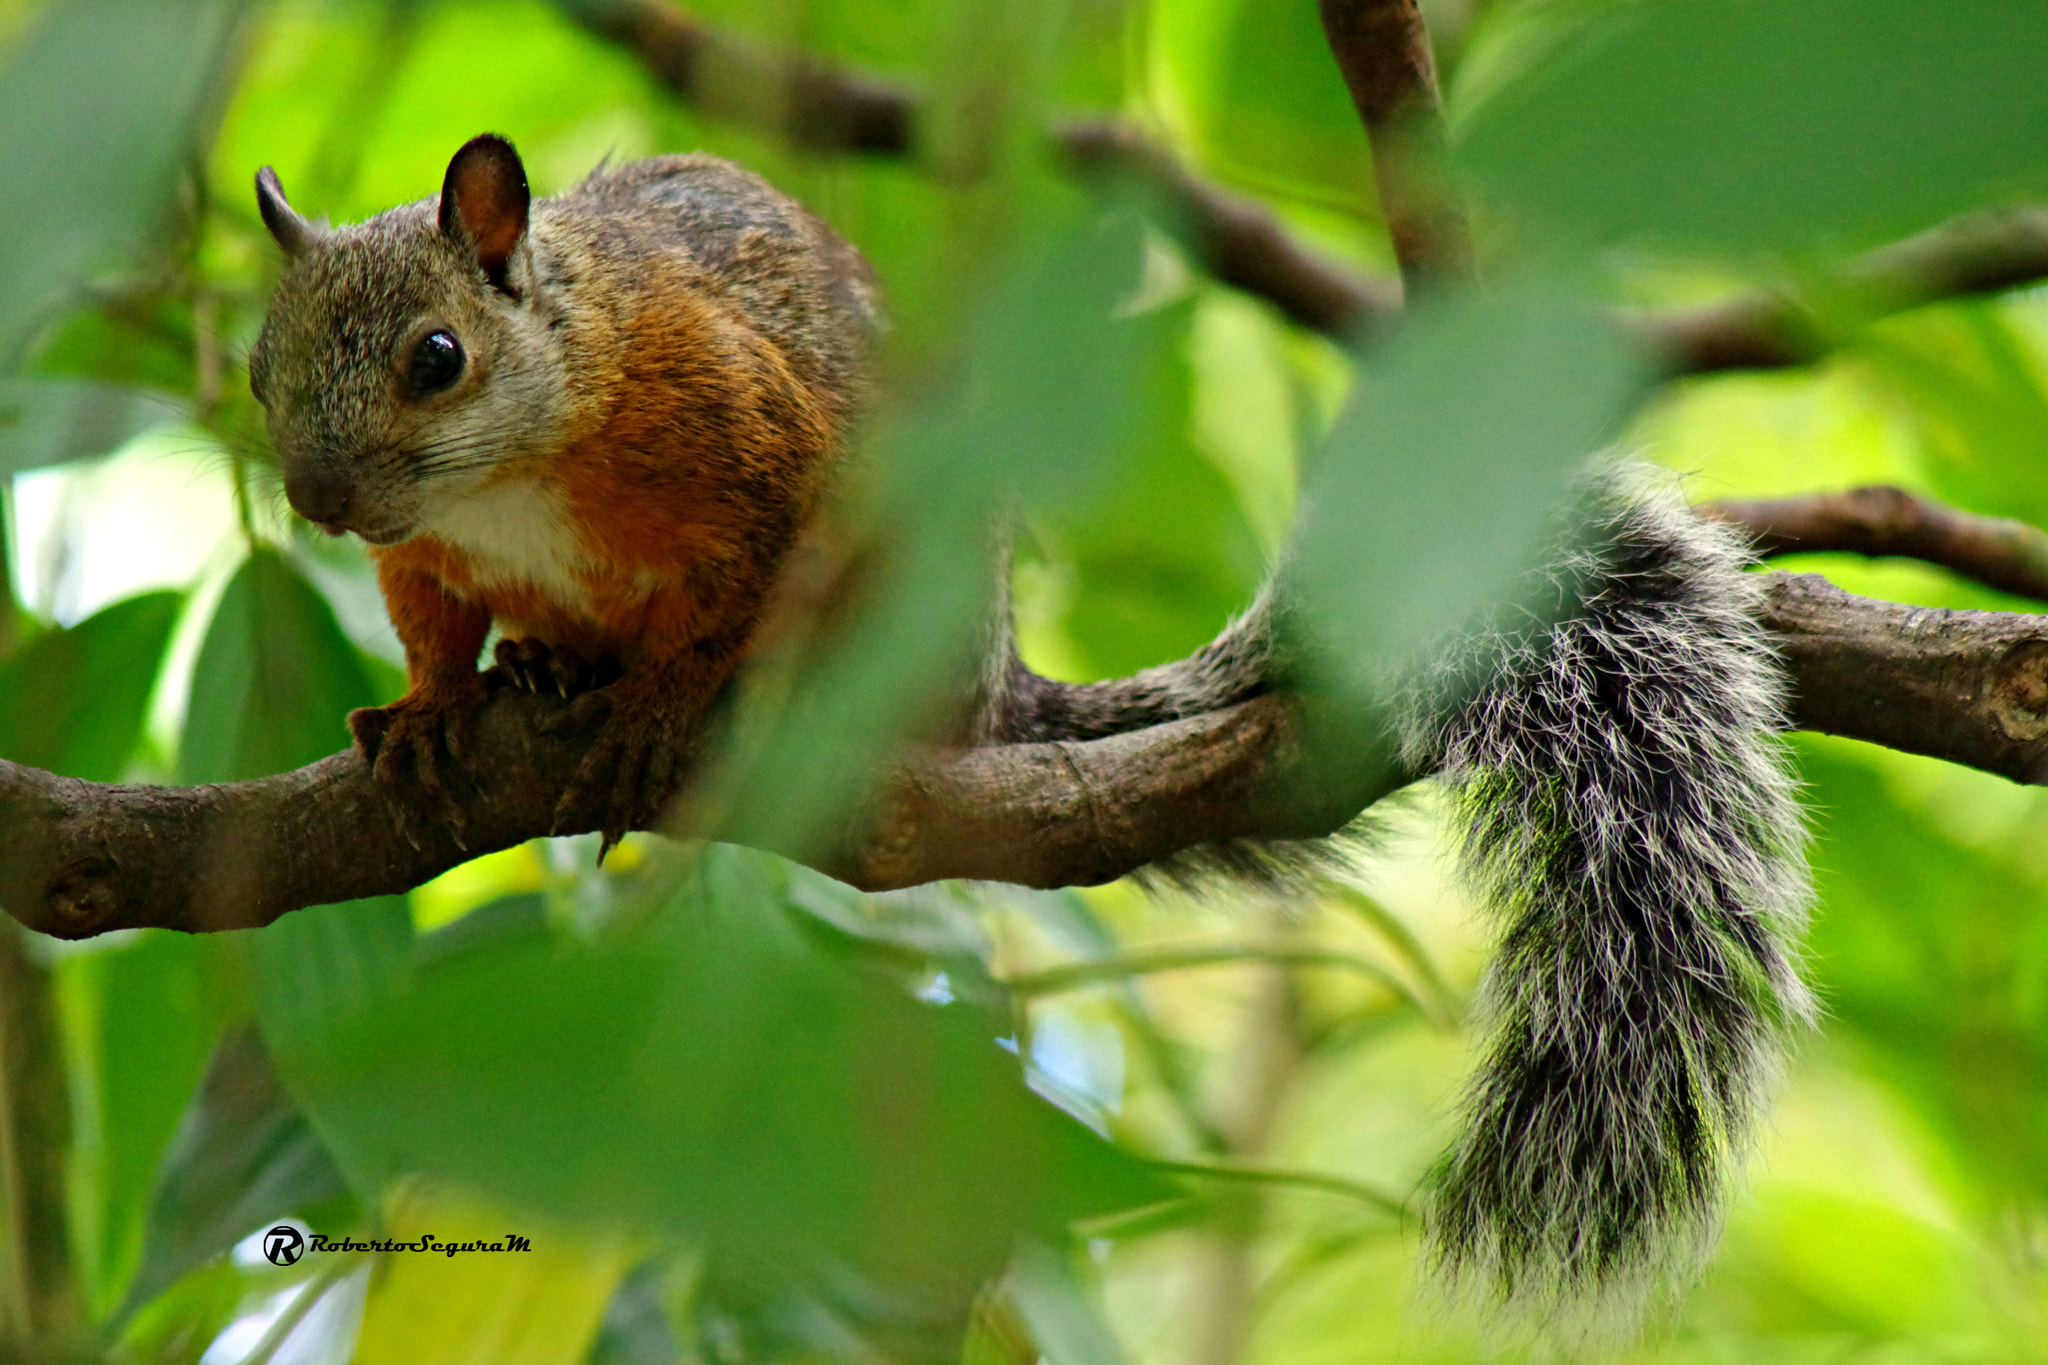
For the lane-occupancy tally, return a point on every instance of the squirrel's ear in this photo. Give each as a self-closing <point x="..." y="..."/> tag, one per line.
<point x="483" y="201"/>
<point x="292" y="232"/>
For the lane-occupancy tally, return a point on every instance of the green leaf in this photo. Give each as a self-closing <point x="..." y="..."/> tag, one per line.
<point x="49" y="421"/>
<point x="714" y="1081"/>
<point x="243" y="1156"/>
<point x="139" y="1021"/>
<point x="1064" y="1320"/>
<point x="1444" y="479"/>
<point x="324" y="963"/>
<point x="74" y="701"/>
<point x="275" y="679"/>
<point x="1934" y="956"/>
<point x="542" y="1306"/>
<point x="99" y="103"/>
<point x="1745" y="124"/>
<point x="1974" y="386"/>
<point x="1260" y="94"/>
<point x="1162" y="562"/>
<point x="1039" y="407"/>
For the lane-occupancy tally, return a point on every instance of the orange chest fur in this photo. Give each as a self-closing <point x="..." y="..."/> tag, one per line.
<point x="571" y="558"/>
<point x="662" y="529"/>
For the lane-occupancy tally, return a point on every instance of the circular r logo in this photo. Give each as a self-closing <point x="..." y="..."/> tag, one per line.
<point x="283" y="1245"/>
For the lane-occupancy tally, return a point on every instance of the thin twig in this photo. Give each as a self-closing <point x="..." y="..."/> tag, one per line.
<point x="1258" y="1071"/>
<point x="1234" y="237"/>
<point x="41" y="1276"/>
<point x="1306" y="1180"/>
<point x="1978" y="253"/>
<point x="1882" y="521"/>
<point x="1391" y="927"/>
<point x="826" y="108"/>
<point x="814" y="104"/>
<point x="1382" y="47"/>
<point x="1073" y="975"/>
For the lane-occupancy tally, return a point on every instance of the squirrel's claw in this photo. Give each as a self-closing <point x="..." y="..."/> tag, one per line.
<point x="417" y="747"/>
<point x="545" y="670"/>
<point x="629" y="774"/>
<point x="535" y="668"/>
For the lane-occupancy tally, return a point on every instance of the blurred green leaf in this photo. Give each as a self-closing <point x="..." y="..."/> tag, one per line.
<point x="315" y="966"/>
<point x="713" y="1080"/>
<point x="115" y="90"/>
<point x="243" y="1156"/>
<point x="637" y="1329"/>
<point x="1746" y="124"/>
<point x="1256" y="86"/>
<point x="140" y="1021"/>
<point x="359" y="106"/>
<point x="1037" y="411"/>
<point x="275" y="679"/>
<point x="74" y="701"/>
<point x="1065" y="1323"/>
<point x="542" y="1306"/>
<point x="1162" y="562"/>
<point x="50" y="421"/>
<point x="1446" y="474"/>
<point x="1973" y="383"/>
<point x="1936" y="956"/>
<point x="178" y="1326"/>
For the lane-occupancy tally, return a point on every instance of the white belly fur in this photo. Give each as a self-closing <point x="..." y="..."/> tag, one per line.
<point x="517" y="532"/>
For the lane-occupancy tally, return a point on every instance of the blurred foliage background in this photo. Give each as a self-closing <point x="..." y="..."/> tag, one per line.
<point x="745" y="1114"/>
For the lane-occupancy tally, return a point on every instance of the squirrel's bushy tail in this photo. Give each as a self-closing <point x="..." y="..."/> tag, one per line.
<point x="1632" y="823"/>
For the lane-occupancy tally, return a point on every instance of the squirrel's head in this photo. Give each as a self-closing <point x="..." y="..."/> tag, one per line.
<point x="406" y="359"/>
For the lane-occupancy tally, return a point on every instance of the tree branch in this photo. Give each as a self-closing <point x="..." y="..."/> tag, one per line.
<point x="83" y="858"/>
<point x="1882" y="521"/>
<point x="1970" y="687"/>
<point x="1978" y="253"/>
<point x="1234" y="237"/>
<point x="1382" y="47"/>
<point x="814" y="104"/>
<point x="825" y="108"/>
<point x="1384" y="53"/>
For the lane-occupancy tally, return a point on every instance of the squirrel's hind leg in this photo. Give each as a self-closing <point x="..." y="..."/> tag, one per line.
<point x="653" y="720"/>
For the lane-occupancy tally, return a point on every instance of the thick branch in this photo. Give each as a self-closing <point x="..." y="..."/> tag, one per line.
<point x="82" y="858"/>
<point x="1382" y="47"/>
<point x="1882" y="521"/>
<point x="1967" y="686"/>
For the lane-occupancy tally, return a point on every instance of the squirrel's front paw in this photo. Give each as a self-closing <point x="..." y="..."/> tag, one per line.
<point x="419" y="744"/>
<point x="545" y="670"/>
<point x="631" y="771"/>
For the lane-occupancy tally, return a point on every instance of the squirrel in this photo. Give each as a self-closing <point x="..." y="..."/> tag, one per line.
<point x="602" y="421"/>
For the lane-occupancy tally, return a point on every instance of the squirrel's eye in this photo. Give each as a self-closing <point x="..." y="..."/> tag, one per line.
<point x="436" y="362"/>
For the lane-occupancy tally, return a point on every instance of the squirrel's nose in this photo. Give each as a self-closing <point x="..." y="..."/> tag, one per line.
<point x="316" y="492"/>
